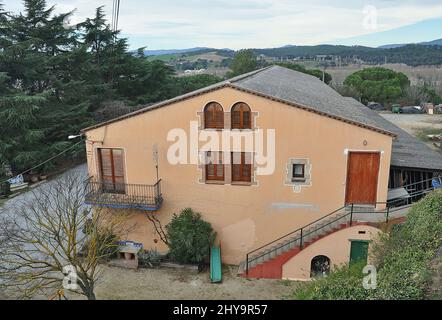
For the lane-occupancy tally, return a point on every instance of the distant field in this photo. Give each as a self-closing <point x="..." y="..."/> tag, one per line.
<point x="164" y="57"/>
<point x="417" y="75"/>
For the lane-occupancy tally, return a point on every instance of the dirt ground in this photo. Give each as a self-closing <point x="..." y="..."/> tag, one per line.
<point x="164" y="284"/>
<point x="418" y="125"/>
<point x="412" y="122"/>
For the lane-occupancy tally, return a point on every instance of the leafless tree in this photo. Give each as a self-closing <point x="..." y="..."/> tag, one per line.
<point x="158" y="226"/>
<point x="54" y="233"/>
<point x="414" y="95"/>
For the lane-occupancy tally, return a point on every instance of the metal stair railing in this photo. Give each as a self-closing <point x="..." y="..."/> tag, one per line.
<point x="416" y="191"/>
<point x="299" y="234"/>
<point x="316" y="227"/>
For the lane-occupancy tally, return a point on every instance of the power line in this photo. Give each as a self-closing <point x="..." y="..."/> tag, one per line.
<point x="115" y="14"/>
<point x="44" y="162"/>
<point x="118" y="15"/>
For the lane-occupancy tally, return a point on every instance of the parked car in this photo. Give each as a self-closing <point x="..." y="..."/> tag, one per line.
<point x="376" y="106"/>
<point x="412" y="110"/>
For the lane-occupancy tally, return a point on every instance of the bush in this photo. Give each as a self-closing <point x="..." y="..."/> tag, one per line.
<point x="5" y="189"/>
<point x="149" y="258"/>
<point x="345" y="283"/>
<point x="190" y="237"/>
<point x="402" y="259"/>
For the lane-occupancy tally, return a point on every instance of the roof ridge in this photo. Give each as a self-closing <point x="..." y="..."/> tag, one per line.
<point x="250" y="74"/>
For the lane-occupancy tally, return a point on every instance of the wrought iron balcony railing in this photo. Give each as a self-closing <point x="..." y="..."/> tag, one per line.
<point x="123" y="195"/>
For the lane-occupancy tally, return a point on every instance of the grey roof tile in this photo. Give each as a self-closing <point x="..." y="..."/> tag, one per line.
<point x="311" y="93"/>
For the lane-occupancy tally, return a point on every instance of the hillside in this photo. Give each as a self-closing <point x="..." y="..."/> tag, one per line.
<point x="437" y="42"/>
<point x="429" y="53"/>
<point x="412" y="55"/>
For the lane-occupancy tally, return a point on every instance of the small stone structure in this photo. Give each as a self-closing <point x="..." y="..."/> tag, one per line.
<point x="127" y="256"/>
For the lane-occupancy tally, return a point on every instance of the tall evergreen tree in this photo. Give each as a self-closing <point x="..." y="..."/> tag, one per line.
<point x="54" y="79"/>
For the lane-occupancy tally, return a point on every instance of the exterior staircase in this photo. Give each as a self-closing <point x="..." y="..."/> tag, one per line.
<point x="267" y="260"/>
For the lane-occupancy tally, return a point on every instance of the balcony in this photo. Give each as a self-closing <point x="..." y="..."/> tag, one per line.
<point x="123" y="195"/>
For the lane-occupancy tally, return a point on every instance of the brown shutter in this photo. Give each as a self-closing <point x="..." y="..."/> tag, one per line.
<point x="214" y="116"/>
<point x="236" y="120"/>
<point x="219" y="114"/>
<point x="247" y="166"/>
<point x="241" y="116"/>
<point x="246" y="120"/>
<point x="105" y="158"/>
<point x="241" y="166"/>
<point x="208" y="119"/>
<point x="214" y="166"/>
<point x="112" y="168"/>
<point x="236" y="166"/>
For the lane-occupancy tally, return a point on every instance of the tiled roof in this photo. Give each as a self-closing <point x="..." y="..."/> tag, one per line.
<point x="311" y="94"/>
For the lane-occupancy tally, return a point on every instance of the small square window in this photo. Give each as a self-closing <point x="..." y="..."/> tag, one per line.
<point x="298" y="172"/>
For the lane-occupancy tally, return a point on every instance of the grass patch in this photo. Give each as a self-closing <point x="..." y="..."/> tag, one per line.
<point x="421" y="133"/>
<point x="3" y="201"/>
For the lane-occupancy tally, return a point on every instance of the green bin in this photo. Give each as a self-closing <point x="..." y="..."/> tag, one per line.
<point x="396" y="108"/>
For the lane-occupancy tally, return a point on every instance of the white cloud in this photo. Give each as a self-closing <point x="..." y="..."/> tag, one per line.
<point x="248" y="23"/>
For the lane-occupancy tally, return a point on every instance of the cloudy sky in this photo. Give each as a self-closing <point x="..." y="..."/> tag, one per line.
<point x="235" y="24"/>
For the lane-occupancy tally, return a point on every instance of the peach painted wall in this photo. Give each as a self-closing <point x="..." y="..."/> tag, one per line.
<point x="335" y="246"/>
<point x="244" y="217"/>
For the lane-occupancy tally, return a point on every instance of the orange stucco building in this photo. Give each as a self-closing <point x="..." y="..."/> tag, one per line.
<point x="310" y="152"/>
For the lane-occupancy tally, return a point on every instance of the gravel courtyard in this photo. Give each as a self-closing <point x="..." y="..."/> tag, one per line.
<point x="164" y="284"/>
<point x="412" y="122"/>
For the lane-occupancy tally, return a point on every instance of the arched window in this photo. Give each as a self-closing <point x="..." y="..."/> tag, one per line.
<point x="241" y="116"/>
<point x="320" y="266"/>
<point x="213" y="116"/>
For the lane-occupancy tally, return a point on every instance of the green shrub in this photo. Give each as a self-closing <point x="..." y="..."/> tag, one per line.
<point x="190" y="237"/>
<point x="404" y="256"/>
<point x="344" y="283"/>
<point x="149" y="258"/>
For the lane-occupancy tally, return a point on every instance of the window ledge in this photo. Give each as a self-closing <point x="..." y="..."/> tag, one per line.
<point x="218" y="182"/>
<point x="237" y="129"/>
<point x="299" y="179"/>
<point x="241" y="183"/>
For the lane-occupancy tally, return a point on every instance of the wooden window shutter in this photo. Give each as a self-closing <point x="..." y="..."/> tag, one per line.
<point x="241" y="116"/>
<point x="241" y="166"/>
<point x="214" y="166"/>
<point x="247" y="124"/>
<point x="219" y="118"/>
<point x="112" y="169"/>
<point x="236" y="119"/>
<point x="214" y="116"/>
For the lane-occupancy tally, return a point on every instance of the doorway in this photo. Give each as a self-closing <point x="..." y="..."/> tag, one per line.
<point x="362" y="177"/>
<point x="359" y="251"/>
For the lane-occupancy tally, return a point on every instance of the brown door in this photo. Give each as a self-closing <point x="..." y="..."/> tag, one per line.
<point x="112" y="169"/>
<point x="362" y="177"/>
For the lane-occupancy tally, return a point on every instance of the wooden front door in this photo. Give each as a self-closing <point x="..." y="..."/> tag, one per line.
<point x="362" y="177"/>
<point x="111" y="163"/>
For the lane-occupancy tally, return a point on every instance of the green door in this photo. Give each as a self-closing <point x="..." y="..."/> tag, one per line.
<point x="358" y="251"/>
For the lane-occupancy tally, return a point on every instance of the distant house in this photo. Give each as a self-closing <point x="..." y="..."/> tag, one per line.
<point x="307" y="200"/>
